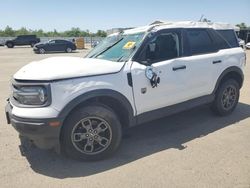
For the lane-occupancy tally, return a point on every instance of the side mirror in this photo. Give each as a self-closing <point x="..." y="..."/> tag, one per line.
<point x="152" y="76"/>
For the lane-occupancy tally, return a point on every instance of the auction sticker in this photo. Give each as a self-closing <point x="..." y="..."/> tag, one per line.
<point x="129" y="45"/>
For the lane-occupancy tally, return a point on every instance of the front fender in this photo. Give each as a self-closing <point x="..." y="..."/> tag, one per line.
<point x="98" y="93"/>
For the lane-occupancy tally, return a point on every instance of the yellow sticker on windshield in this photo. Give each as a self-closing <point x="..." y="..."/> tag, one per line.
<point x="129" y="45"/>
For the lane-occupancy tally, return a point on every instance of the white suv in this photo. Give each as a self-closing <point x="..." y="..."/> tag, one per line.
<point x="81" y="105"/>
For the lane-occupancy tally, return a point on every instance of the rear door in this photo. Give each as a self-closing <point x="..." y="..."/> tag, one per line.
<point x="204" y="62"/>
<point x="61" y="45"/>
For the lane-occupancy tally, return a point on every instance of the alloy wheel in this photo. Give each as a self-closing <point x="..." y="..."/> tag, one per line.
<point x="91" y="135"/>
<point x="229" y="97"/>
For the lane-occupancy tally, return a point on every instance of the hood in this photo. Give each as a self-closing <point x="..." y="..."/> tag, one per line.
<point x="55" y="68"/>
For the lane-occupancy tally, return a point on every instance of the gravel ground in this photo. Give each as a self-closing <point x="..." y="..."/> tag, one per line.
<point x="190" y="149"/>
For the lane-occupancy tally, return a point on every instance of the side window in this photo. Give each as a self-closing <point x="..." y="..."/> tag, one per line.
<point x="59" y="41"/>
<point x="52" y="42"/>
<point x="200" y="42"/>
<point x="164" y="46"/>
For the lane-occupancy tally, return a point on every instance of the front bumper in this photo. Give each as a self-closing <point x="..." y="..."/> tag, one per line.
<point x="39" y="131"/>
<point x="36" y="50"/>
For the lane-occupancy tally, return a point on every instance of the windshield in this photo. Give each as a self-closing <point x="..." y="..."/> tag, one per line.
<point x="117" y="47"/>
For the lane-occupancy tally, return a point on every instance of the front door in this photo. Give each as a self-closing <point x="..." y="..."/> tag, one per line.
<point x="163" y="52"/>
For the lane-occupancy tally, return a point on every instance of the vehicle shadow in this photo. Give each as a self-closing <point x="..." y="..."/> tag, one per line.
<point x="139" y="142"/>
<point x="73" y="52"/>
<point x="15" y="47"/>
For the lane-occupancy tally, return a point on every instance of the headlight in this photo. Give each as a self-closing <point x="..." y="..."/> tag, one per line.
<point x="30" y="95"/>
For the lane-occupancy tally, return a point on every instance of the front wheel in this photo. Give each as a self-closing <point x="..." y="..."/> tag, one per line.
<point x="91" y="133"/>
<point x="41" y="51"/>
<point x="227" y="97"/>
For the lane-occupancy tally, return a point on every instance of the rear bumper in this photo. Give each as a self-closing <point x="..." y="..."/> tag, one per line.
<point x="38" y="131"/>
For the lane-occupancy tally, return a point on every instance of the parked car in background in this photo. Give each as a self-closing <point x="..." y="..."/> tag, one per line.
<point x="241" y="43"/>
<point x="248" y="45"/>
<point x="2" y="42"/>
<point x="94" y="44"/>
<point x="57" y="45"/>
<point x="22" y="40"/>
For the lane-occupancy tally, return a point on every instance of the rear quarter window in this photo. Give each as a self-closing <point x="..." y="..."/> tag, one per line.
<point x="219" y="41"/>
<point x="230" y="37"/>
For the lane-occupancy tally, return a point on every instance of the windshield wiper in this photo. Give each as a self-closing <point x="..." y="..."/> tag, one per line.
<point x="106" y="49"/>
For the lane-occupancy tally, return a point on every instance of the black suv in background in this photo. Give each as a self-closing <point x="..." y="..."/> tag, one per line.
<point x="22" y="40"/>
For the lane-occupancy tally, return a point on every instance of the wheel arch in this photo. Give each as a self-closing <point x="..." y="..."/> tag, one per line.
<point x="231" y="72"/>
<point x="9" y="42"/>
<point x="113" y="99"/>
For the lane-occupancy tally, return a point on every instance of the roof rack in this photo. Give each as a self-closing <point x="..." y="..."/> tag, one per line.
<point x="214" y="25"/>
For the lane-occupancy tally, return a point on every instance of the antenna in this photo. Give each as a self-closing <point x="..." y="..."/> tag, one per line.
<point x="201" y="17"/>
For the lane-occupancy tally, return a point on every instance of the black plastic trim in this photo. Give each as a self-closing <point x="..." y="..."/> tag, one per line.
<point x="179" y="68"/>
<point x="225" y="72"/>
<point x="99" y="93"/>
<point x="130" y="80"/>
<point x="37" y="130"/>
<point x="173" y="109"/>
<point x="216" y="62"/>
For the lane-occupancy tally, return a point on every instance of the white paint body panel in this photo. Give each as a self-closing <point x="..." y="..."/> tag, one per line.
<point x="76" y="76"/>
<point x="64" y="91"/>
<point x="198" y="79"/>
<point x="66" y="67"/>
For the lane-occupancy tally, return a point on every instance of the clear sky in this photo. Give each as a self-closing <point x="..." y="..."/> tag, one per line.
<point x="106" y="14"/>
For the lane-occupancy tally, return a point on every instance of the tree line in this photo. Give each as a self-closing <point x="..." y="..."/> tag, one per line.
<point x="243" y="26"/>
<point x="73" y="32"/>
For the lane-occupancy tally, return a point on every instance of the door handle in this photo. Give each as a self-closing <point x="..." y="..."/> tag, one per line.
<point x="180" y="67"/>
<point x="218" y="61"/>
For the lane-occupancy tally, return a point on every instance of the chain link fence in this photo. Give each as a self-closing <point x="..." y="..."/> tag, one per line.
<point x="88" y="40"/>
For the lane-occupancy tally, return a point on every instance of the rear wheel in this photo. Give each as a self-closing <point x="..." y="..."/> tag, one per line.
<point x="227" y="97"/>
<point x="91" y="133"/>
<point x="10" y="45"/>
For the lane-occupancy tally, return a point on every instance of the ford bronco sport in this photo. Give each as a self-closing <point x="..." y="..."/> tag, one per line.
<point x="81" y="105"/>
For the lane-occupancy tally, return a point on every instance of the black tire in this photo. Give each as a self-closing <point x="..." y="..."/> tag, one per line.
<point x="9" y="44"/>
<point x="227" y="97"/>
<point x="76" y="138"/>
